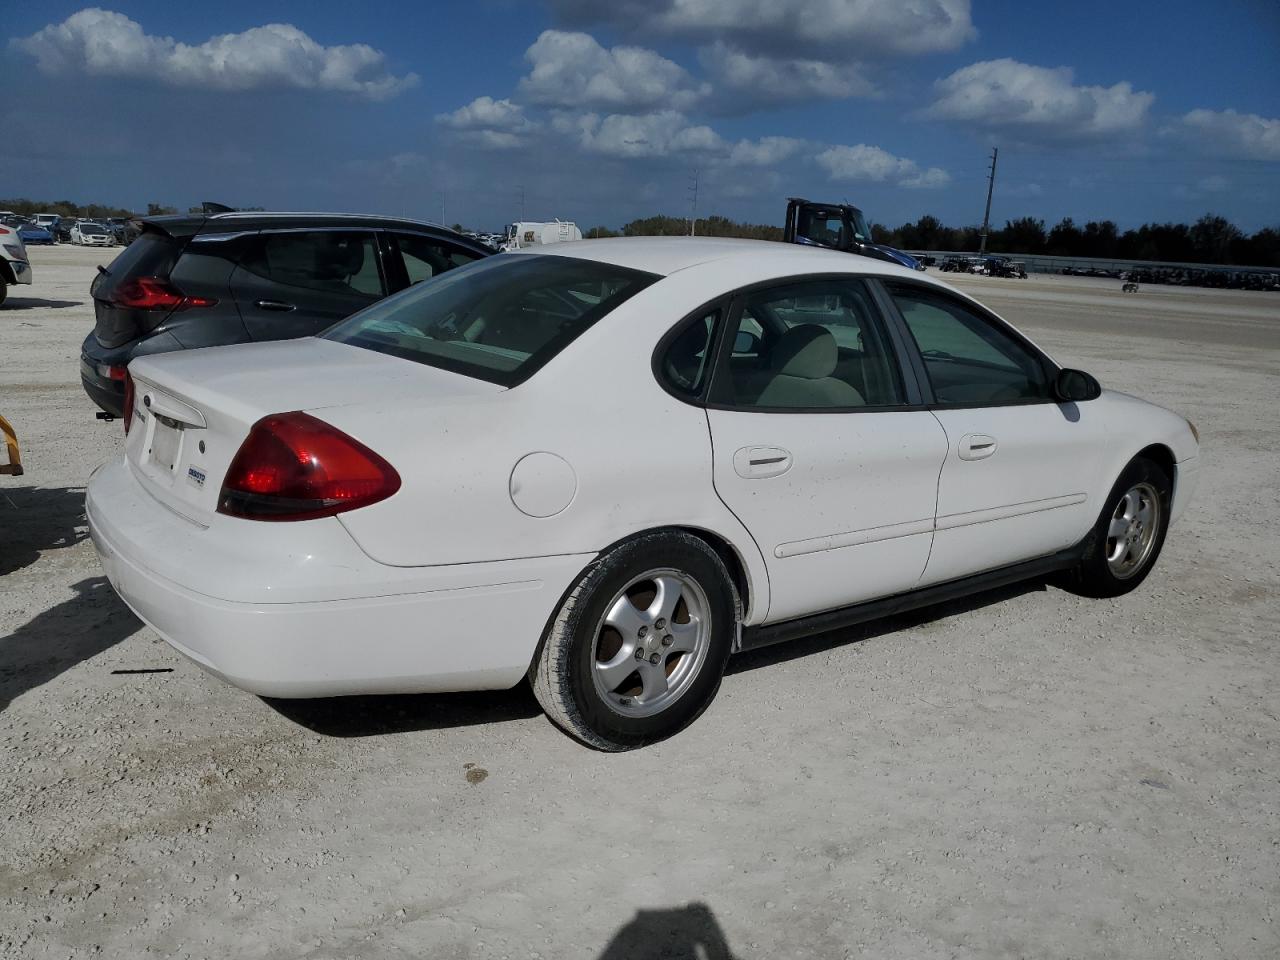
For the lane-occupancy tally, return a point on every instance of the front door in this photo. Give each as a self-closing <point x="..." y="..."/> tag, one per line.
<point x="1019" y="465"/>
<point x="816" y="451"/>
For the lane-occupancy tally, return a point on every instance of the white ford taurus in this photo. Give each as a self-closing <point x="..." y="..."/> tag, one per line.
<point x="607" y="466"/>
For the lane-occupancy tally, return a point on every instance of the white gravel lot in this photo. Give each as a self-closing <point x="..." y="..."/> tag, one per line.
<point x="1027" y="774"/>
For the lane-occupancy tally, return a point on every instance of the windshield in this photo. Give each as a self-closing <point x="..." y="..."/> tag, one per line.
<point x="90" y="227"/>
<point x="498" y="319"/>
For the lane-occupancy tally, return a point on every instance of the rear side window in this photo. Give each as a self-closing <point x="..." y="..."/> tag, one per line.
<point x="331" y="261"/>
<point x="424" y="257"/>
<point x="498" y="319"/>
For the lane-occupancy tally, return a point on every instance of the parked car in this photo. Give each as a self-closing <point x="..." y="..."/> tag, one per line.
<point x="33" y="233"/>
<point x="119" y="229"/>
<point x="15" y="266"/>
<point x="197" y="281"/>
<point x="90" y="233"/>
<point x="608" y="465"/>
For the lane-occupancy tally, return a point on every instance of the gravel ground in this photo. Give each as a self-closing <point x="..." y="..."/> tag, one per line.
<point x="1025" y="774"/>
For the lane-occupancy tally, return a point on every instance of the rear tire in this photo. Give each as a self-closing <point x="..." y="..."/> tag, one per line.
<point x="1129" y="534"/>
<point x="639" y="646"/>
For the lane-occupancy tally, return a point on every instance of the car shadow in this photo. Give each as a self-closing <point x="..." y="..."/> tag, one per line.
<point x="62" y="636"/>
<point x="34" y="520"/>
<point x="35" y="303"/>
<point x="680" y="933"/>
<point x="914" y="619"/>
<point x="375" y="715"/>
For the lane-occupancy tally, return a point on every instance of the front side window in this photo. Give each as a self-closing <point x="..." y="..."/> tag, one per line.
<point x="497" y="319"/>
<point x="813" y="345"/>
<point x="425" y="257"/>
<point x="970" y="359"/>
<point x="330" y="261"/>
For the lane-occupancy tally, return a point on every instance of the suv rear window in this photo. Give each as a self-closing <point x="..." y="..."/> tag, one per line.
<point x="499" y="319"/>
<point x="153" y="254"/>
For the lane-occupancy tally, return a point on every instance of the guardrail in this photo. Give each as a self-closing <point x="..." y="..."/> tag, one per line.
<point x="1042" y="263"/>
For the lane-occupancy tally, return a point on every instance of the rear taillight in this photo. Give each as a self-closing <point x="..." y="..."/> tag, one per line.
<point x="152" y="293"/>
<point x="295" y="467"/>
<point x="128" y="402"/>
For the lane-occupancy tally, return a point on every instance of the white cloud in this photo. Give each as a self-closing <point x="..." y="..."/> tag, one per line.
<point x="863" y="162"/>
<point x="1228" y="133"/>
<point x="1011" y="95"/>
<point x="573" y="70"/>
<point x="763" y="79"/>
<point x="107" y="44"/>
<point x="860" y="28"/>
<point x="486" y="113"/>
<point x="646" y="135"/>
<point x="765" y="152"/>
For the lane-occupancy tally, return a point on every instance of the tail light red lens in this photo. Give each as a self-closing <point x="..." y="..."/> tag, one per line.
<point x="295" y="467"/>
<point x="128" y="402"/>
<point x="152" y="293"/>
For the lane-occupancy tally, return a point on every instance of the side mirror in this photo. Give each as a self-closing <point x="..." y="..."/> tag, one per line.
<point x="1075" y="386"/>
<point x="746" y="342"/>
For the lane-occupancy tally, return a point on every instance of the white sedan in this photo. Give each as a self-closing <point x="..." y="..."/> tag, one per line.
<point x="607" y="466"/>
<point x="90" y="234"/>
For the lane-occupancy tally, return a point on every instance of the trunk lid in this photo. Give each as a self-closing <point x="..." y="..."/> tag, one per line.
<point x="153" y="254"/>
<point x="193" y="409"/>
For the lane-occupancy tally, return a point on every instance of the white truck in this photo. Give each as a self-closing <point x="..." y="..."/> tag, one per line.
<point x="526" y="234"/>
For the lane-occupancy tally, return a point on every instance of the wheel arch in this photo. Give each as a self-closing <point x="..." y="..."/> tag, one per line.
<point x="1164" y="458"/>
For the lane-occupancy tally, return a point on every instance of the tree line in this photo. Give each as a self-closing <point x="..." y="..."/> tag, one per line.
<point x="1211" y="239"/>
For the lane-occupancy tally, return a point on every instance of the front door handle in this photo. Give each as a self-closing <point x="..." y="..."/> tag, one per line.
<point x="760" y="463"/>
<point x="275" y="305"/>
<point x="976" y="446"/>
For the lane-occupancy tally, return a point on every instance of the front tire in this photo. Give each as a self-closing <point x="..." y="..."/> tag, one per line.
<point x="1130" y="532"/>
<point x="638" y="648"/>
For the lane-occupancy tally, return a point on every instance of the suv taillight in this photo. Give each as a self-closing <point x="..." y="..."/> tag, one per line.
<point x="152" y="293"/>
<point x="128" y="402"/>
<point x="295" y="467"/>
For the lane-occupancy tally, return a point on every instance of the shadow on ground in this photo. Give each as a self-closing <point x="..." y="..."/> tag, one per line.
<point x="34" y="303"/>
<point x="680" y="933"/>
<point x="369" y="716"/>
<point x="63" y="636"/>
<point x="34" y="520"/>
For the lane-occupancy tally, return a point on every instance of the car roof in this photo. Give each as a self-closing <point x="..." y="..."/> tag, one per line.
<point x="187" y="225"/>
<point x="668" y="255"/>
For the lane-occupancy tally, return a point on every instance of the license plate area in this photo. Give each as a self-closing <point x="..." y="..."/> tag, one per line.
<point x="166" y="443"/>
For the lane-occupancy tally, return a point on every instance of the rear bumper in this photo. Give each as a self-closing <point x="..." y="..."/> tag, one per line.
<point x="105" y="392"/>
<point x="393" y="630"/>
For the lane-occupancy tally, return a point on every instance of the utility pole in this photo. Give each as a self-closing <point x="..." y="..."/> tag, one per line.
<point x="443" y="198"/>
<point x="693" y="212"/>
<point x="991" y="185"/>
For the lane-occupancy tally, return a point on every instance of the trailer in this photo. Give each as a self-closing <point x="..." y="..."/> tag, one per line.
<point x="527" y="234"/>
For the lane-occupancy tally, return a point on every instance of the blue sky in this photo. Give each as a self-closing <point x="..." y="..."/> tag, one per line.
<point x="600" y="110"/>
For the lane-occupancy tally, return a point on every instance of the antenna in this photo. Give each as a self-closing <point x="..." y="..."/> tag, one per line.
<point x="693" y="209"/>
<point x="986" y="217"/>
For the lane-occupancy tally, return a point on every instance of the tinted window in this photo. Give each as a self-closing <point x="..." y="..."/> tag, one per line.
<point x="153" y="254"/>
<point x="812" y="345"/>
<point x="498" y="319"/>
<point x="969" y="358"/>
<point x="686" y="361"/>
<point x="424" y="257"/>
<point x="327" y="260"/>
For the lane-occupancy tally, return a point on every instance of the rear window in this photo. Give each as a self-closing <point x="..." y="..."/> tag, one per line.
<point x="152" y="255"/>
<point x="499" y="319"/>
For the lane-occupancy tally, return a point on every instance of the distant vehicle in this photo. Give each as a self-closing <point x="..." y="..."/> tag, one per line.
<point x="90" y="233"/>
<point x="50" y="221"/>
<point x="604" y="468"/>
<point x="1004" y="267"/>
<point x="34" y="233"/>
<point x="525" y="234"/>
<point x="119" y="229"/>
<point x="201" y="281"/>
<point x="15" y="267"/>
<point x="838" y="226"/>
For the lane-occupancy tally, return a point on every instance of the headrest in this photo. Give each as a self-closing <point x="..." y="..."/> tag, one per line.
<point x="807" y="351"/>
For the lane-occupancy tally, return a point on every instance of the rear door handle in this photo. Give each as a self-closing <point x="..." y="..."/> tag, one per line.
<point x="976" y="446"/>
<point x="275" y="305"/>
<point x="760" y="463"/>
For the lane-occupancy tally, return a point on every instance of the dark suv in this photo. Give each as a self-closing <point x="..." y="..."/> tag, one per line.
<point x="205" y="281"/>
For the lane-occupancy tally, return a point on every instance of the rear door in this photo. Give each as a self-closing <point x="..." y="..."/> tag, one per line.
<point x="821" y="448"/>
<point x="295" y="283"/>
<point x="1019" y="466"/>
